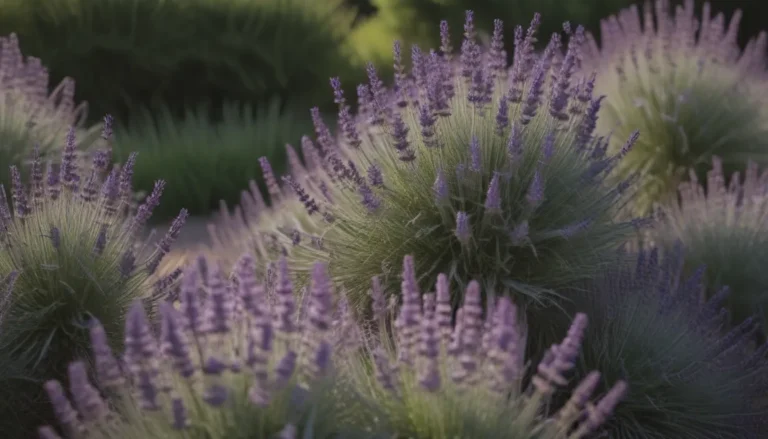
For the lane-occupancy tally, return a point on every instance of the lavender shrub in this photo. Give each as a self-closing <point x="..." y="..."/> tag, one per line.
<point x="478" y="174"/>
<point x="691" y="377"/>
<point x="685" y="84"/>
<point x="235" y="359"/>
<point x="723" y="226"/>
<point x="71" y="248"/>
<point x="435" y="379"/>
<point x="29" y="113"/>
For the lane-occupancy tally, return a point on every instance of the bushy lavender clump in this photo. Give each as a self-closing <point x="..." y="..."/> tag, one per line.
<point x="29" y="113"/>
<point x="72" y="248"/>
<point x="689" y="89"/>
<point x="239" y="359"/>
<point x="724" y="226"/>
<point x="478" y="174"/>
<point x="688" y="378"/>
<point x="464" y="380"/>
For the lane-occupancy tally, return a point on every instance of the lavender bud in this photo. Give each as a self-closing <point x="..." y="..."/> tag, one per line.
<point x="475" y="164"/>
<point x="107" y="368"/>
<point x="269" y="177"/>
<point x="87" y="399"/>
<point x="463" y="228"/>
<point x="62" y="409"/>
<point x="20" y="203"/>
<point x="493" y="197"/>
<point x="174" y="344"/>
<point x="440" y="187"/>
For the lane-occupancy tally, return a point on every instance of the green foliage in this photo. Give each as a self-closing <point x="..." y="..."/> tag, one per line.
<point x="692" y="95"/>
<point x="205" y="162"/>
<point x="723" y="227"/>
<point x="73" y="250"/>
<point x="30" y="114"/>
<point x="650" y="326"/>
<point x="127" y="54"/>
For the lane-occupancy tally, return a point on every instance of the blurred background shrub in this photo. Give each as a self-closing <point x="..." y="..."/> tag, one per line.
<point x="204" y="162"/>
<point x="33" y="112"/>
<point x="416" y="21"/>
<point x="130" y="53"/>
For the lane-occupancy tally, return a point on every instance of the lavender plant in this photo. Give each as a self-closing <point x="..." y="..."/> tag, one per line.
<point x="723" y="226"/>
<point x="29" y="114"/>
<point x="478" y="174"/>
<point x="686" y="85"/>
<point x="438" y="380"/>
<point x="237" y="359"/>
<point x="70" y="247"/>
<point x="690" y="379"/>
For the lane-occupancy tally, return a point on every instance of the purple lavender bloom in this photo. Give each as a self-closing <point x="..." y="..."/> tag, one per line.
<point x="375" y="177"/>
<point x="126" y="177"/>
<point x="106" y="132"/>
<point x="419" y="68"/>
<point x="18" y="192"/>
<point x="62" y="408"/>
<point x="378" y="99"/>
<point x="463" y="228"/>
<point x="219" y="306"/>
<point x="502" y="116"/>
<point x="400" y="136"/>
<point x="445" y="40"/>
<point x="493" y="197"/>
<point x="37" y="177"/>
<point x="535" y="193"/>
<point x="427" y="121"/>
<point x="470" y="51"/>
<point x="140" y="357"/>
<point x="145" y="210"/>
<point x="440" y="187"/>
<point x="325" y="140"/>
<point x="286" y="306"/>
<point x="174" y="344"/>
<point x="69" y="176"/>
<point x="475" y="163"/>
<point x="107" y="368"/>
<point x="497" y="62"/>
<point x="52" y="182"/>
<point x="164" y="246"/>
<point x="269" y="177"/>
<point x="368" y="198"/>
<point x="309" y="203"/>
<point x="87" y="399"/>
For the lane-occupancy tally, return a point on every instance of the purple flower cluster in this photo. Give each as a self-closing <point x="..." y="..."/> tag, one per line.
<point x="222" y="332"/>
<point x="101" y="199"/>
<point x="480" y="357"/>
